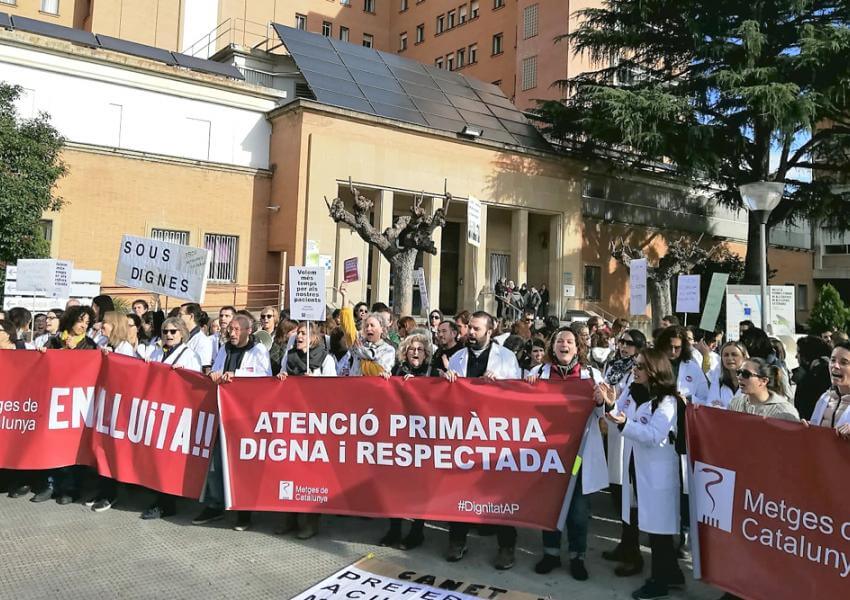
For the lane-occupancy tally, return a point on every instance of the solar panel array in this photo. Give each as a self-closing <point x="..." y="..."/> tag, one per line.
<point x="387" y="85"/>
<point x="106" y="42"/>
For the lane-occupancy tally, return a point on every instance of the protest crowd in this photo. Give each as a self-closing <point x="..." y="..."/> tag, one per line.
<point x="642" y="384"/>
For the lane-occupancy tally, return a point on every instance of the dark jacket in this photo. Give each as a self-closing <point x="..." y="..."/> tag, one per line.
<point x="54" y="343"/>
<point x="811" y="384"/>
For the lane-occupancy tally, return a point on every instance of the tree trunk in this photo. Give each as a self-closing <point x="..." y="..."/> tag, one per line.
<point x="660" y="300"/>
<point x="752" y="266"/>
<point x="402" y="266"/>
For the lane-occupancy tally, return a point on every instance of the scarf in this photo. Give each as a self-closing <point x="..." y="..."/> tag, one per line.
<point x="71" y="341"/>
<point x="296" y="360"/>
<point x="367" y="352"/>
<point x="423" y="370"/>
<point x="618" y="369"/>
<point x="569" y="370"/>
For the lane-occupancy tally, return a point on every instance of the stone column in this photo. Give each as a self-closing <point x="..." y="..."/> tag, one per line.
<point x="519" y="246"/>
<point x="475" y="273"/>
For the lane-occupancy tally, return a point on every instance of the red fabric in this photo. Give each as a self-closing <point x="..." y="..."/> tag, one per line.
<point x="77" y="392"/>
<point x="532" y="499"/>
<point x="803" y="474"/>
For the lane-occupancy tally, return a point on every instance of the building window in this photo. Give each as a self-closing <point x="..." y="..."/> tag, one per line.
<point x="498" y="4"/>
<point x="327" y="28"/>
<point x="175" y="236"/>
<point x="420" y="33"/>
<point x="343" y="34"/>
<point x="594" y="188"/>
<point x="223" y="260"/>
<point x="450" y="21"/>
<point x="403" y="6"/>
<point x="345" y="2"/>
<point x="802" y="296"/>
<point x="368" y="40"/>
<point x="441" y="24"/>
<point x="592" y="282"/>
<point x="402" y="42"/>
<point x="530" y="20"/>
<point x="439" y="62"/>
<point x="45" y="225"/>
<point x="461" y="57"/>
<point x="835" y="249"/>
<point x="497" y="43"/>
<point x="529" y="73"/>
<point x="369" y="6"/>
<point x="461" y="14"/>
<point x="473" y="53"/>
<point x="473" y="9"/>
<point x="50" y="7"/>
<point x="300" y="22"/>
<point x="450" y="62"/>
<point x="11" y="2"/>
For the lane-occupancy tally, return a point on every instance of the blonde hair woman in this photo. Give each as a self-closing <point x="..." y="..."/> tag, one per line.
<point x="114" y="328"/>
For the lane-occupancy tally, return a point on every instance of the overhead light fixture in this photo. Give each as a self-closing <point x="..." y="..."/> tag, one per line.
<point x="472" y="132"/>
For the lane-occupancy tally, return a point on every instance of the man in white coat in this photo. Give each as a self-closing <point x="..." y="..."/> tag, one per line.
<point x="240" y="357"/>
<point x="198" y="340"/>
<point x="486" y="359"/>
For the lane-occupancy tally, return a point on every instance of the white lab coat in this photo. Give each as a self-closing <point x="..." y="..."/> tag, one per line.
<point x="820" y="408"/>
<point x="594" y="472"/>
<point x="255" y="362"/>
<point x="183" y="357"/>
<point x="125" y="349"/>
<point x="203" y="347"/>
<point x="646" y="434"/>
<point x="719" y="395"/>
<point x="501" y="361"/>
<point x="692" y="383"/>
<point x="615" y="437"/>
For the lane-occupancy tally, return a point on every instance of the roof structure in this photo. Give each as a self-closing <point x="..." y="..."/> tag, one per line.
<point x="105" y="42"/>
<point x="387" y="85"/>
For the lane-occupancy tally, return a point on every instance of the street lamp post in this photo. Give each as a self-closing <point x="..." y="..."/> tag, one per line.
<point x="761" y="198"/>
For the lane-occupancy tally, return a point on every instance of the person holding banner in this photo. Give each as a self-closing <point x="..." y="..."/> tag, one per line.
<point x="566" y="358"/>
<point x="51" y="327"/>
<point x="8" y="336"/>
<point x="652" y="464"/>
<point x="240" y="357"/>
<point x="321" y="364"/>
<point x="192" y="316"/>
<point x="371" y="353"/>
<point x="490" y="361"/>
<point x="762" y="391"/>
<point x="833" y="408"/>
<point x="114" y="328"/>
<point x="178" y="355"/>
<point x="724" y="383"/>
<point x="414" y="360"/>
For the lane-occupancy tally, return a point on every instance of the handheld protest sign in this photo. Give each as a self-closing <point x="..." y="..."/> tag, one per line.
<point x="163" y="268"/>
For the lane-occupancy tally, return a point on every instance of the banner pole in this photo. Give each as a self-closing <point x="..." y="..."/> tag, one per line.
<point x="307" y="351"/>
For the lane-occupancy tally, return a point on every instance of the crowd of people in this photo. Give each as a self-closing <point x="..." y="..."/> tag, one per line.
<point x="641" y="383"/>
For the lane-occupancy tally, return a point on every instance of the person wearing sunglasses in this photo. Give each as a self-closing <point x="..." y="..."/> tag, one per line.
<point x="434" y="320"/>
<point x="761" y="392"/>
<point x="833" y="408"/>
<point x="566" y="359"/>
<point x="174" y="352"/>
<point x="651" y="473"/>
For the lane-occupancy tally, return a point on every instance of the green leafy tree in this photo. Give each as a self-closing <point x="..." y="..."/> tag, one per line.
<point x="713" y="88"/>
<point x="30" y="165"/>
<point x="829" y="312"/>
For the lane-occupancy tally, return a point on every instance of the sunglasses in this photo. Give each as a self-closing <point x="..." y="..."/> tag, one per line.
<point x="169" y="332"/>
<point x="267" y="316"/>
<point x="435" y="317"/>
<point x="746" y="374"/>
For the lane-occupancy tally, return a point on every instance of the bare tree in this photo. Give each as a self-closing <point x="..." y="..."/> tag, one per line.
<point x="400" y="243"/>
<point x="682" y="256"/>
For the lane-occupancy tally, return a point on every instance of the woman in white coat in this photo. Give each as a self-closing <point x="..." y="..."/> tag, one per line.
<point x="833" y="408"/>
<point x="724" y="380"/>
<point x="652" y="464"/>
<point x="174" y="352"/>
<point x="617" y="378"/>
<point x="566" y="358"/>
<point x="321" y="364"/>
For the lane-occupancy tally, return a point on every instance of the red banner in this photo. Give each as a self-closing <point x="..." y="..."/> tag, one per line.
<point x="146" y="424"/>
<point x="424" y="448"/>
<point x="770" y="498"/>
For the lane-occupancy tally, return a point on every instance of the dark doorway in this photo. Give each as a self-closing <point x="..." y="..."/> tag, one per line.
<point x="449" y="267"/>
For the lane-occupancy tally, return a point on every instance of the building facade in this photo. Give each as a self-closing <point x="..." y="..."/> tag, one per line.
<point x="245" y="170"/>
